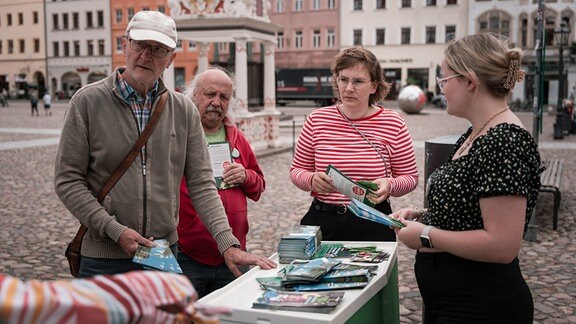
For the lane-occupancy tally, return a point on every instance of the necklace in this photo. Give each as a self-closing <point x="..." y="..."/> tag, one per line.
<point x="473" y="136"/>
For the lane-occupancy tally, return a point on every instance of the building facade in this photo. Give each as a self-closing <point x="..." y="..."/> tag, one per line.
<point x="408" y="37"/>
<point x="22" y="47"/>
<point x="309" y="35"/>
<point x="518" y="20"/>
<point x="78" y="44"/>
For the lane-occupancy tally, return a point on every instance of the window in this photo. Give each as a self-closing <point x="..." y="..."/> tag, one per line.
<point x="20" y="18"/>
<point x="9" y="19"/>
<point x="89" y="20"/>
<point x="10" y="46"/>
<point x="76" y="48"/>
<point x="55" y="24"/>
<point x="179" y="45"/>
<point x="450" y="33"/>
<point x="280" y="6"/>
<point x="75" y="20"/>
<point x="316" y="38"/>
<point x="35" y="17"/>
<point x="430" y="35"/>
<point x="380" y="36"/>
<point x="1" y="46"/>
<point x="118" y="16"/>
<point x="119" y="44"/>
<point x="90" y="47"/>
<point x="100" y="17"/>
<point x="331" y="4"/>
<point x="130" y="13"/>
<point x="22" y="45"/>
<point x="65" y="21"/>
<point x="330" y="38"/>
<point x="298" y="39"/>
<point x="146" y="8"/>
<point x="280" y="39"/>
<point x="405" y="35"/>
<point x="495" y="21"/>
<point x="66" y="48"/>
<point x="357" y="36"/>
<point x="380" y="4"/>
<point x="524" y="32"/>
<point x="406" y="3"/>
<point x="191" y="45"/>
<point x="101" y="47"/>
<point x="297" y="5"/>
<point x="430" y="3"/>
<point x="451" y="2"/>
<point x="316" y="5"/>
<point x="36" y="45"/>
<point x="55" y="49"/>
<point x="162" y="9"/>
<point x="357" y="5"/>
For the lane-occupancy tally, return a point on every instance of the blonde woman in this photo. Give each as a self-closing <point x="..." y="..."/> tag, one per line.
<point x="480" y="201"/>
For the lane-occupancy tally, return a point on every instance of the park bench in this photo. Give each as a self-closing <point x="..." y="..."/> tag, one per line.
<point x="550" y="181"/>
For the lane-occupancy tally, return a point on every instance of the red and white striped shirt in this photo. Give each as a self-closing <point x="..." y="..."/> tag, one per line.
<point x="328" y="138"/>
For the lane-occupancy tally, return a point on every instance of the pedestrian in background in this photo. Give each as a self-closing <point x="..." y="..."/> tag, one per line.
<point x="102" y="123"/>
<point x="212" y="93"/>
<point x="480" y="201"/>
<point x="4" y="98"/>
<point x="47" y="103"/>
<point x="34" y="103"/>
<point x="363" y="140"/>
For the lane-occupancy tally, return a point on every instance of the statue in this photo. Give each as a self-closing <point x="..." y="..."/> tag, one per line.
<point x="411" y="99"/>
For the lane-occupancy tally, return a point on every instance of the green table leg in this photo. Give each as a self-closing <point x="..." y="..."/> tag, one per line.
<point x="384" y="307"/>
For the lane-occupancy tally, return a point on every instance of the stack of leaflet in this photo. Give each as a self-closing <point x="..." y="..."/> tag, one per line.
<point x="319" y="274"/>
<point x="300" y="244"/>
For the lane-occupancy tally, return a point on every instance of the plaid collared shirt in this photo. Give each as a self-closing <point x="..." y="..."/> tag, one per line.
<point x="141" y="107"/>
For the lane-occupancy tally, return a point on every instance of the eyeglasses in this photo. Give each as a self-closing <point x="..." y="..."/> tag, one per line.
<point x="356" y="83"/>
<point x="155" y="50"/>
<point x="442" y="82"/>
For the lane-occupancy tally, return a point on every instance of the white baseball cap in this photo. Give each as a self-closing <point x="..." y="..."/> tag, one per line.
<point x="153" y="25"/>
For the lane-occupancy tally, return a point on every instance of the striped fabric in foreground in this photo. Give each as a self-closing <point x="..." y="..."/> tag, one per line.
<point x="135" y="297"/>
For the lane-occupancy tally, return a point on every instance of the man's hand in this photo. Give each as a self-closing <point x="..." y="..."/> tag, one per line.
<point x="130" y="239"/>
<point x="234" y="173"/>
<point x="234" y="257"/>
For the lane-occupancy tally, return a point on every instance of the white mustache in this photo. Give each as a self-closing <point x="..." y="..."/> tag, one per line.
<point x="214" y="109"/>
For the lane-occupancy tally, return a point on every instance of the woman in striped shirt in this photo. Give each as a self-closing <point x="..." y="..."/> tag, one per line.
<point x="362" y="140"/>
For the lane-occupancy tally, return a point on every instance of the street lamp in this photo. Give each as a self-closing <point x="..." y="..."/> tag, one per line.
<point x="561" y="39"/>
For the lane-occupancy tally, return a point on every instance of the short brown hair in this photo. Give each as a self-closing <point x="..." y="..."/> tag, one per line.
<point x="359" y="55"/>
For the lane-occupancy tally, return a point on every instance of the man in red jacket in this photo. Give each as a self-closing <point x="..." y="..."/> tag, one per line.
<point x="238" y="176"/>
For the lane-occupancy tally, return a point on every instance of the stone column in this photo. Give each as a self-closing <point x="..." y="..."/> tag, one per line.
<point x="269" y="77"/>
<point x="202" y="56"/>
<point x="241" y="71"/>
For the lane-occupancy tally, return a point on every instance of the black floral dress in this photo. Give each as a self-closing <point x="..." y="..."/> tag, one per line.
<point x="505" y="161"/>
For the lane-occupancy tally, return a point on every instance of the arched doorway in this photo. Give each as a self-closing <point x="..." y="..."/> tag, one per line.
<point x="70" y="83"/>
<point x="40" y="82"/>
<point x="96" y="76"/>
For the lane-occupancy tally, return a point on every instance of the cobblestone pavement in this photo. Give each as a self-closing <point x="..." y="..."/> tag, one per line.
<point x="35" y="227"/>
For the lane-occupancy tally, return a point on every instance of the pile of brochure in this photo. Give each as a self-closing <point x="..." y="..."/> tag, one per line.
<point x="319" y="274"/>
<point x="300" y="244"/>
<point x="317" y="302"/>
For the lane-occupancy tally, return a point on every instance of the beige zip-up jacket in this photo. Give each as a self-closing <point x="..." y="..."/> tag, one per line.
<point x="99" y="130"/>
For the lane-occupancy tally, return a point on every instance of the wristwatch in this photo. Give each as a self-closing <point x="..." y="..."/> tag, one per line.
<point x="424" y="238"/>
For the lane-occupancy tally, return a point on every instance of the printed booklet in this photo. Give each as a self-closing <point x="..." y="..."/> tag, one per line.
<point x="159" y="257"/>
<point x="364" y="211"/>
<point x="352" y="189"/>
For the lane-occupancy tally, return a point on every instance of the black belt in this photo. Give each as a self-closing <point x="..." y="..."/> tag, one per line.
<point x="322" y="206"/>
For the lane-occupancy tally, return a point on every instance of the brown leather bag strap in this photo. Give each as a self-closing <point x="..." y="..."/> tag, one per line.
<point x="125" y="164"/>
